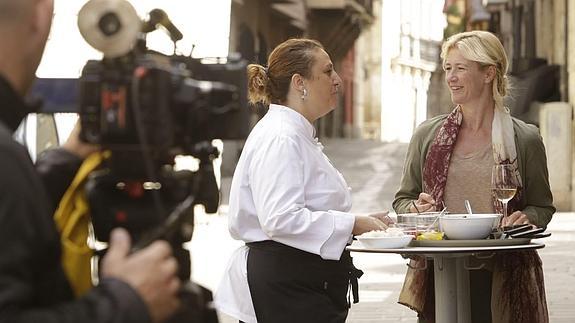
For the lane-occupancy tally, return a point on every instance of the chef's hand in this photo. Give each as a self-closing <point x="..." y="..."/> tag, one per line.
<point x="364" y="223"/>
<point x="384" y="217"/>
<point x="516" y="218"/>
<point x="423" y="204"/>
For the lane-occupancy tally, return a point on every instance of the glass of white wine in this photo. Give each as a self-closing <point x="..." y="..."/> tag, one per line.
<point x="504" y="184"/>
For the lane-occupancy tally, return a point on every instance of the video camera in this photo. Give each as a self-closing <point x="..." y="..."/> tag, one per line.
<point x="146" y="108"/>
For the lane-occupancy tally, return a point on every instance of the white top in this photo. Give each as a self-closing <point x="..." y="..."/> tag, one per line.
<point x="284" y="189"/>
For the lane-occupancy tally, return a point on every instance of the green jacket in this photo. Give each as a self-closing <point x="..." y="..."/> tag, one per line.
<point x="537" y="201"/>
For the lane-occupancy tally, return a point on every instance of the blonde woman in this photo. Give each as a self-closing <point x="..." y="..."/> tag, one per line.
<point x="449" y="150"/>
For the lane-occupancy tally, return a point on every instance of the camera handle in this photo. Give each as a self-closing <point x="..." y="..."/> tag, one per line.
<point x="197" y="300"/>
<point x="160" y="17"/>
<point x="172" y="223"/>
<point x="206" y="188"/>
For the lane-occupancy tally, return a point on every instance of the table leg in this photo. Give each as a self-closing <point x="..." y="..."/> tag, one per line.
<point x="445" y="289"/>
<point x="452" y="301"/>
<point x="463" y="297"/>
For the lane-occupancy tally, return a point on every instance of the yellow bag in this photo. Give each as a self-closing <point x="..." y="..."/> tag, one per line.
<point x="73" y="219"/>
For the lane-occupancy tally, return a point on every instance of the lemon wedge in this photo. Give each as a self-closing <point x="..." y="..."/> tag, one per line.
<point x="430" y="235"/>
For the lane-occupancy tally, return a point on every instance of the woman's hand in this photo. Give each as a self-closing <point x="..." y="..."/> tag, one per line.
<point x="365" y="223"/>
<point x="423" y="204"/>
<point x="516" y="218"/>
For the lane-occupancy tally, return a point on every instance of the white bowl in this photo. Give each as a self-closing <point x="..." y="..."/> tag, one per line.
<point x="467" y="226"/>
<point x="385" y="242"/>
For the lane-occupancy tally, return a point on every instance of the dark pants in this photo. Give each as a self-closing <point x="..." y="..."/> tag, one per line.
<point x="288" y="285"/>
<point x="480" y="292"/>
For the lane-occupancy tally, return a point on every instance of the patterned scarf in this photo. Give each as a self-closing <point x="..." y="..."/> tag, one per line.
<point x="439" y="154"/>
<point x="518" y="292"/>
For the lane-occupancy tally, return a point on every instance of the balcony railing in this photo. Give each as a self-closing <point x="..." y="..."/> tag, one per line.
<point x="429" y="50"/>
<point x="367" y="4"/>
<point x="419" y="49"/>
<point x="364" y="5"/>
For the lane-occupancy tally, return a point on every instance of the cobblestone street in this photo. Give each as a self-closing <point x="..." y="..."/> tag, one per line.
<point x="373" y="170"/>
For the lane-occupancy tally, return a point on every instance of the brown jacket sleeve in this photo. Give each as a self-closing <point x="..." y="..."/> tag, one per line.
<point x="412" y="179"/>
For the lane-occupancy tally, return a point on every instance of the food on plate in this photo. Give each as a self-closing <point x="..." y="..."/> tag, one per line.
<point x="385" y="239"/>
<point x="430" y="235"/>
<point x="389" y="232"/>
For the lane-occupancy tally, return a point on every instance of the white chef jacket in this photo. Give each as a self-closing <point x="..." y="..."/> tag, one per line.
<point x="284" y="189"/>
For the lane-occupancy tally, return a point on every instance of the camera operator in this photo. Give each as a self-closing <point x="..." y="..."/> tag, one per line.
<point x="138" y="287"/>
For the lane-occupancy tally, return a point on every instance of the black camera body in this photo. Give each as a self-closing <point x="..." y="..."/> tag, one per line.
<point x="181" y="100"/>
<point x="146" y="108"/>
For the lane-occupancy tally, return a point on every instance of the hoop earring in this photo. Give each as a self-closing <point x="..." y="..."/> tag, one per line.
<point x="304" y="94"/>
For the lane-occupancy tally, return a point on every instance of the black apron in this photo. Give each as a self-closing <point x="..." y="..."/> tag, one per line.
<point x="290" y="285"/>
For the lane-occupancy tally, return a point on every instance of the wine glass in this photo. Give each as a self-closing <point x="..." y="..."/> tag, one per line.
<point x="504" y="184"/>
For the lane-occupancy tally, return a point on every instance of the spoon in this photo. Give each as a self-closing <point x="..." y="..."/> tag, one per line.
<point x="468" y="207"/>
<point x="437" y="218"/>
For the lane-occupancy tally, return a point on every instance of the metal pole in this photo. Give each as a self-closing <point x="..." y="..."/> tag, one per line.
<point x="445" y="289"/>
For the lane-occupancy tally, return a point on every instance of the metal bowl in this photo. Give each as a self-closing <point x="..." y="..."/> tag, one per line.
<point x="412" y="223"/>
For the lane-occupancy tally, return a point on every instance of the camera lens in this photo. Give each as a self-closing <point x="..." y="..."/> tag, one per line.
<point x="110" y="24"/>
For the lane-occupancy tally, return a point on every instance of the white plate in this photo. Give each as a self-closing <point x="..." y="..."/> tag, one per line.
<point x="385" y="242"/>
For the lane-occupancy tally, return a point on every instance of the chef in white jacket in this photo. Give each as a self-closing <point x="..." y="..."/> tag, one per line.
<point x="288" y="203"/>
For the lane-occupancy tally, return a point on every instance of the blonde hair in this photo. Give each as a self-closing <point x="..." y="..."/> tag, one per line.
<point x="271" y="84"/>
<point x="484" y="48"/>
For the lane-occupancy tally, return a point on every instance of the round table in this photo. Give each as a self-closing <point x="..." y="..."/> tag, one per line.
<point x="451" y="274"/>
